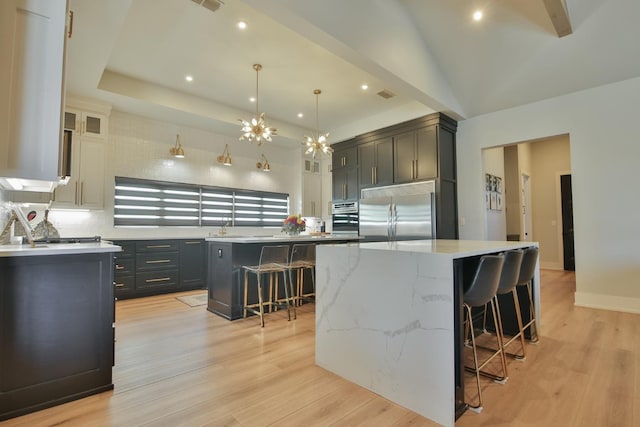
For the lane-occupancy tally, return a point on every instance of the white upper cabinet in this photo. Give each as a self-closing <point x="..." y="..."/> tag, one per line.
<point x="85" y="123"/>
<point x="32" y="52"/>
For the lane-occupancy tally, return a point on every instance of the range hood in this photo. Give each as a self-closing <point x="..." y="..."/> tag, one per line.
<point x="37" y="193"/>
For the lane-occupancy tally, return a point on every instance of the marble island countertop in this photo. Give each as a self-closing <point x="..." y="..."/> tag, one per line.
<point x="452" y="248"/>
<point x="282" y="238"/>
<point x="57" y="249"/>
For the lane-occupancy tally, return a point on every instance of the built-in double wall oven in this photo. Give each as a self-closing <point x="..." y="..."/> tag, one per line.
<point x="345" y="217"/>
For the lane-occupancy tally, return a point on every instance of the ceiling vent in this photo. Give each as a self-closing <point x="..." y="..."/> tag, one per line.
<point x="386" y="94"/>
<point x="212" y="5"/>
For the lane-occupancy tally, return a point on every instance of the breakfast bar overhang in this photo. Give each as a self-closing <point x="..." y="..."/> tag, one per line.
<point x="389" y="318"/>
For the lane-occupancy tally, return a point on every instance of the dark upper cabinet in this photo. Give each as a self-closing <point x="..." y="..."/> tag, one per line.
<point x="416" y="155"/>
<point x="344" y="157"/>
<point x="345" y="184"/>
<point x="417" y="150"/>
<point x="376" y="163"/>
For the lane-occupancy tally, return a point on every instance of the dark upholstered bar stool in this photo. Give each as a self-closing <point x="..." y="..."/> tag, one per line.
<point x="273" y="260"/>
<point x="482" y="291"/>
<point x="525" y="278"/>
<point x="303" y="257"/>
<point x="508" y="281"/>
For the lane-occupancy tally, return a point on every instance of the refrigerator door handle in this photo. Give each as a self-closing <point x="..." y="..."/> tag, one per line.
<point x="390" y="222"/>
<point x="394" y="222"/>
<point x="433" y="216"/>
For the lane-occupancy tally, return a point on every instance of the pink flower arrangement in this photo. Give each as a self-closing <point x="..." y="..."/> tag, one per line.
<point x="294" y="224"/>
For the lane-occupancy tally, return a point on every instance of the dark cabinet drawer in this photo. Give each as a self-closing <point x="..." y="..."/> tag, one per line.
<point x="157" y="261"/>
<point x="124" y="266"/>
<point x="123" y="283"/>
<point x="128" y="249"/>
<point x="157" y="246"/>
<point x="157" y="279"/>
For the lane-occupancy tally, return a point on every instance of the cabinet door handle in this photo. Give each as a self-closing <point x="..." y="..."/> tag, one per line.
<point x="76" y="198"/>
<point x="160" y="279"/>
<point x="158" y="261"/>
<point x="219" y="252"/>
<point x="192" y="243"/>
<point x="82" y="193"/>
<point x="157" y="246"/>
<point x="119" y="267"/>
<point x="344" y="191"/>
<point x="375" y="174"/>
<point x="119" y="285"/>
<point x="373" y="179"/>
<point x="70" y="32"/>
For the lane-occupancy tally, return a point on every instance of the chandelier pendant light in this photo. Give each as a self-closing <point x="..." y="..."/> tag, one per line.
<point x="256" y="129"/>
<point x="317" y="143"/>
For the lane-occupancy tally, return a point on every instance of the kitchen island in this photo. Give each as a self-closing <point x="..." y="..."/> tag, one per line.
<point x="56" y="324"/>
<point x="227" y="254"/>
<point x="389" y="318"/>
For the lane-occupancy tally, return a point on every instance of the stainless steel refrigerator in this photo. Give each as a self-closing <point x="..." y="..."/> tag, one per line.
<point x="398" y="212"/>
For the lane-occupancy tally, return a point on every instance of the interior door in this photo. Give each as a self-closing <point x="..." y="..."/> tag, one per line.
<point x="567" y="223"/>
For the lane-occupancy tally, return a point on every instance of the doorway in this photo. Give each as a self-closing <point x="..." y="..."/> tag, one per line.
<point x="568" y="247"/>
<point x="527" y="221"/>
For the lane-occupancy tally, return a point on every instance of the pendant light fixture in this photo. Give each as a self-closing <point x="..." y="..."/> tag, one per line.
<point x="257" y="128"/>
<point x="263" y="164"/>
<point x="225" y="157"/>
<point x="177" y="150"/>
<point x="317" y="143"/>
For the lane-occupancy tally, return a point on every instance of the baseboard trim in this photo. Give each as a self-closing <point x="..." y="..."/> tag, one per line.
<point x="546" y="265"/>
<point x="607" y="302"/>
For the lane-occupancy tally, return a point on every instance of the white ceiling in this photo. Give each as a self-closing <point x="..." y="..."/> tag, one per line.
<point x="135" y="54"/>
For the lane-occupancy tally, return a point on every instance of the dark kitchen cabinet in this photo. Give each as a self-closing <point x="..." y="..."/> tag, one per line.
<point x="345" y="184"/>
<point x="416" y="155"/>
<point x="422" y="149"/>
<point x="344" y="156"/>
<point x="56" y="330"/>
<point x="192" y="264"/>
<point x="224" y="292"/>
<point x="152" y="267"/>
<point x="124" y="269"/>
<point x="376" y="163"/>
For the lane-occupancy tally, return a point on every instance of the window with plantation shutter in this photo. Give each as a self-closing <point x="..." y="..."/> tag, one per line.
<point x="141" y="202"/>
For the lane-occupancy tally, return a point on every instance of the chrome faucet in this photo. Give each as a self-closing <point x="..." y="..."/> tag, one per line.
<point x="223" y="228"/>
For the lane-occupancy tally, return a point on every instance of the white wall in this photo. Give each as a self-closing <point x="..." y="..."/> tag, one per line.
<point x="605" y="150"/>
<point x="493" y="160"/>
<point x="138" y="147"/>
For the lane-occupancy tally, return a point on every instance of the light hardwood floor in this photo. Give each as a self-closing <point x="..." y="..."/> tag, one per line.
<point x="177" y="365"/>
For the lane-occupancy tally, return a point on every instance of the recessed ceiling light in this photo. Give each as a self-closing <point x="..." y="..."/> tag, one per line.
<point x="300" y="115"/>
<point x="477" y="15"/>
<point x="252" y="99"/>
<point x="364" y="87"/>
<point x="188" y="78"/>
<point x="242" y="25"/>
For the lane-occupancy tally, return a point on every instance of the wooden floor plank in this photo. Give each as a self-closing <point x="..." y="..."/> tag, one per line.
<point x="183" y="366"/>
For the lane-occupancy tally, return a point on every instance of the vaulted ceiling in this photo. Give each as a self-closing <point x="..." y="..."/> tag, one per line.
<point x="430" y="54"/>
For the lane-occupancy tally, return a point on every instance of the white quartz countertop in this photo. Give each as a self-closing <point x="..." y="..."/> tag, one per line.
<point x="280" y="238"/>
<point x="452" y="248"/>
<point x="57" y="249"/>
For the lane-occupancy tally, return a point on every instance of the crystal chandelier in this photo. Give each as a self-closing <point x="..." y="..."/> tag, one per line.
<point x="257" y="128"/>
<point x="317" y="143"/>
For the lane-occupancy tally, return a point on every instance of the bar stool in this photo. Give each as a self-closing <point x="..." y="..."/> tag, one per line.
<point x="482" y="291"/>
<point x="273" y="260"/>
<point x="525" y="278"/>
<point x="508" y="281"/>
<point x="303" y="257"/>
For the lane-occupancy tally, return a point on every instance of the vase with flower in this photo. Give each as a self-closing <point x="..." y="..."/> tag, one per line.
<point x="293" y="225"/>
